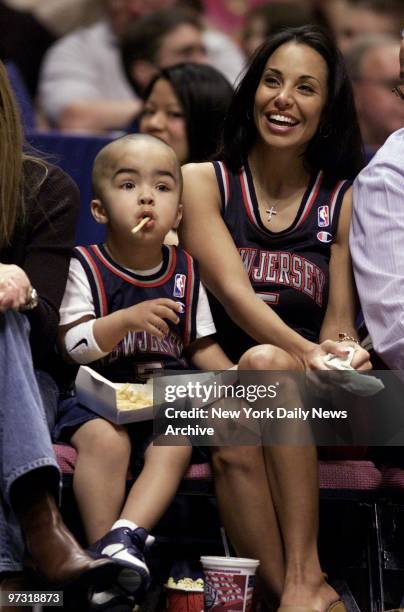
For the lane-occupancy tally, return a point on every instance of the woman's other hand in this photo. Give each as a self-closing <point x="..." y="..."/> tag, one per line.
<point x="15" y="287"/>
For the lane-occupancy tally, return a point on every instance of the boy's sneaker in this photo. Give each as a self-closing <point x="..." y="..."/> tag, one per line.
<point x="126" y="547"/>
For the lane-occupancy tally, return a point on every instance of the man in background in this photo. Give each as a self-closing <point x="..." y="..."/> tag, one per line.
<point x="83" y="85"/>
<point x="373" y="66"/>
<point x="376" y="242"/>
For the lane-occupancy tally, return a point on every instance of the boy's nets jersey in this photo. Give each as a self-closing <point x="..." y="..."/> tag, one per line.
<point x="114" y="287"/>
<point x="289" y="270"/>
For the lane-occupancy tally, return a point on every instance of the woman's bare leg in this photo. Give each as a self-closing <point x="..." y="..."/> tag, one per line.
<point x="292" y="474"/>
<point x="247" y="510"/>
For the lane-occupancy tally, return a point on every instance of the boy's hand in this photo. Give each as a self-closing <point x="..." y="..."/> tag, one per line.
<point x="149" y="316"/>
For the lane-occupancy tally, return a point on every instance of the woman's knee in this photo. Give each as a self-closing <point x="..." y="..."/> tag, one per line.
<point x="107" y="443"/>
<point x="244" y="460"/>
<point x="265" y="357"/>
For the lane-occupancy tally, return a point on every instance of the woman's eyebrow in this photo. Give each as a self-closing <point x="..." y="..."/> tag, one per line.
<point x="301" y="77"/>
<point x="309" y="76"/>
<point x="269" y="69"/>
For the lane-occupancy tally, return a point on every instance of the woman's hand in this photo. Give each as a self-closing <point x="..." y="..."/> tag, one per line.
<point x="314" y="358"/>
<point x="15" y="287"/>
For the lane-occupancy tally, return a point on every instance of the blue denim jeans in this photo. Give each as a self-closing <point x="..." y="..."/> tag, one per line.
<point x="25" y="442"/>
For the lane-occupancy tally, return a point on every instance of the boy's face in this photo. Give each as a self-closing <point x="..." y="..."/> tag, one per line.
<point x="140" y="179"/>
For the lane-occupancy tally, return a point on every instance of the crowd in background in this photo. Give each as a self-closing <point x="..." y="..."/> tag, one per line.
<point x="86" y="63"/>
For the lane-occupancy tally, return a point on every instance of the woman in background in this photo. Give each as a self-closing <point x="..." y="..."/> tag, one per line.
<point x="185" y="106"/>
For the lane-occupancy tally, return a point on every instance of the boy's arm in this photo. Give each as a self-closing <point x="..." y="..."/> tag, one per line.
<point x="206" y="354"/>
<point x="82" y="339"/>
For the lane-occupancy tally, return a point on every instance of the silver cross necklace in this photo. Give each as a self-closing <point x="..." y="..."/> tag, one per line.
<point x="270" y="212"/>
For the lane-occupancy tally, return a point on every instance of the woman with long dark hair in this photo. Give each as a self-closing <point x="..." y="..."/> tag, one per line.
<point x="269" y="227"/>
<point x="186" y="106"/>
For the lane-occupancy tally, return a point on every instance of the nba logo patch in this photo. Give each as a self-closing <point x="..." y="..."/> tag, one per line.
<point x="179" y="285"/>
<point x="324" y="237"/>
<point x="323" y="216"/>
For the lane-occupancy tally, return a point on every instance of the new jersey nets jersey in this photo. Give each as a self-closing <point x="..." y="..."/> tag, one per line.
<point x="289" y="270"/>
<point x="113" y="287"/>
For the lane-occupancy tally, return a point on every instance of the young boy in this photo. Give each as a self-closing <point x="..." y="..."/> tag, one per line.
<point x="132" y="305"/>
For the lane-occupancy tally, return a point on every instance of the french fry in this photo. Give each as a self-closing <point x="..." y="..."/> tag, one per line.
<point x="139" y="226"/>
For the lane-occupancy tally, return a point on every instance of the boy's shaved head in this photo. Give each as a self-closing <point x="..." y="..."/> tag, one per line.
<point x="105" y="161"/>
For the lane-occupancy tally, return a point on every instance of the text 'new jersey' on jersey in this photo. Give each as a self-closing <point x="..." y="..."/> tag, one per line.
<point x="114" y="287"/>
<point x="289" y="270"/>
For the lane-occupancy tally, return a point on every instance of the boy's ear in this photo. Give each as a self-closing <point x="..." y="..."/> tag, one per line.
<point x="98" y="211"/>
<point x="178" y="217"/>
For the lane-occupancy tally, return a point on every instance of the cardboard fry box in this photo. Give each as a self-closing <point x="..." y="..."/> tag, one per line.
<point x="100" y="395"/>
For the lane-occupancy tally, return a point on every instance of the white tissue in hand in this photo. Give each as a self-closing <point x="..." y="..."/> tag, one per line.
<point x="351" y="380"/>
<point x="336" y="363"/>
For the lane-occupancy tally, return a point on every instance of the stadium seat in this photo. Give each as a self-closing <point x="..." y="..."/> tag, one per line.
<point x="23" y="98"/>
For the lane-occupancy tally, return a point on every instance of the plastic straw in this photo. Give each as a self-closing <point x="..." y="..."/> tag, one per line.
<point x="225" y="542"/>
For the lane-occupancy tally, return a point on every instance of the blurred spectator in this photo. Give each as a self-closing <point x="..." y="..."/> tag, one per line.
<point x="185" y="106"/>
<point x="23" y="41"/>
<point x="373" y="65"/>
<point x="229" y="16"/>
<point x="350" y="19"/>
<point x="60" y="16"/>
<point x="376" y="239"/>
<point x="83" y="85"/>
<point x="160" y="40"/>
<point x="270" y="18"/>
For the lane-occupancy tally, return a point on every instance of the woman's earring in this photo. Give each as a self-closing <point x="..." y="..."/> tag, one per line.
<point x="248" y="115"/>
<point x="325" y="130"/>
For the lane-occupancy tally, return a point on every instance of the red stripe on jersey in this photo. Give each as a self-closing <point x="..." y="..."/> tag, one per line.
<point x="247" y="197"/>
<point x="310" y="200"/>
<point x="128" y="278"/>
<point x="226" y="182"/>
<point x="334" y="198"/>
<point x="97" y="279"/>
<point x="188" y="299"/>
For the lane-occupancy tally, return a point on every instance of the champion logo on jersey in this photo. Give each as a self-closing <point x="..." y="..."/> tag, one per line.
<point x="179" y="285"/>
<point x="323" y="216"/>
<point x="324" y="237"/>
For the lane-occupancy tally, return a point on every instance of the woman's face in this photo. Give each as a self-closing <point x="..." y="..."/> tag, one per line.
<point x="291" y="96"/>
<point x="163" y="117"/>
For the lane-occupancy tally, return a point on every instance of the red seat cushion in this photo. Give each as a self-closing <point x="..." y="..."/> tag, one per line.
<point x="353" y="475"/>
<point x="392" y="478"/>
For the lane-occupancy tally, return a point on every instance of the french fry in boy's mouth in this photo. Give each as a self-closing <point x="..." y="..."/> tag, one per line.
<point x="140" y="225"/>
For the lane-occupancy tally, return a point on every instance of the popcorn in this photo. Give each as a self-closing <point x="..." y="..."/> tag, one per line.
<point x="185" y="584"/>
<point x="129" y="399"/>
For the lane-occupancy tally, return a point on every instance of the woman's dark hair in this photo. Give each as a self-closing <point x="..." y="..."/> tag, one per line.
<point x="336" y="147"/>
<point x="205" y="95"/>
